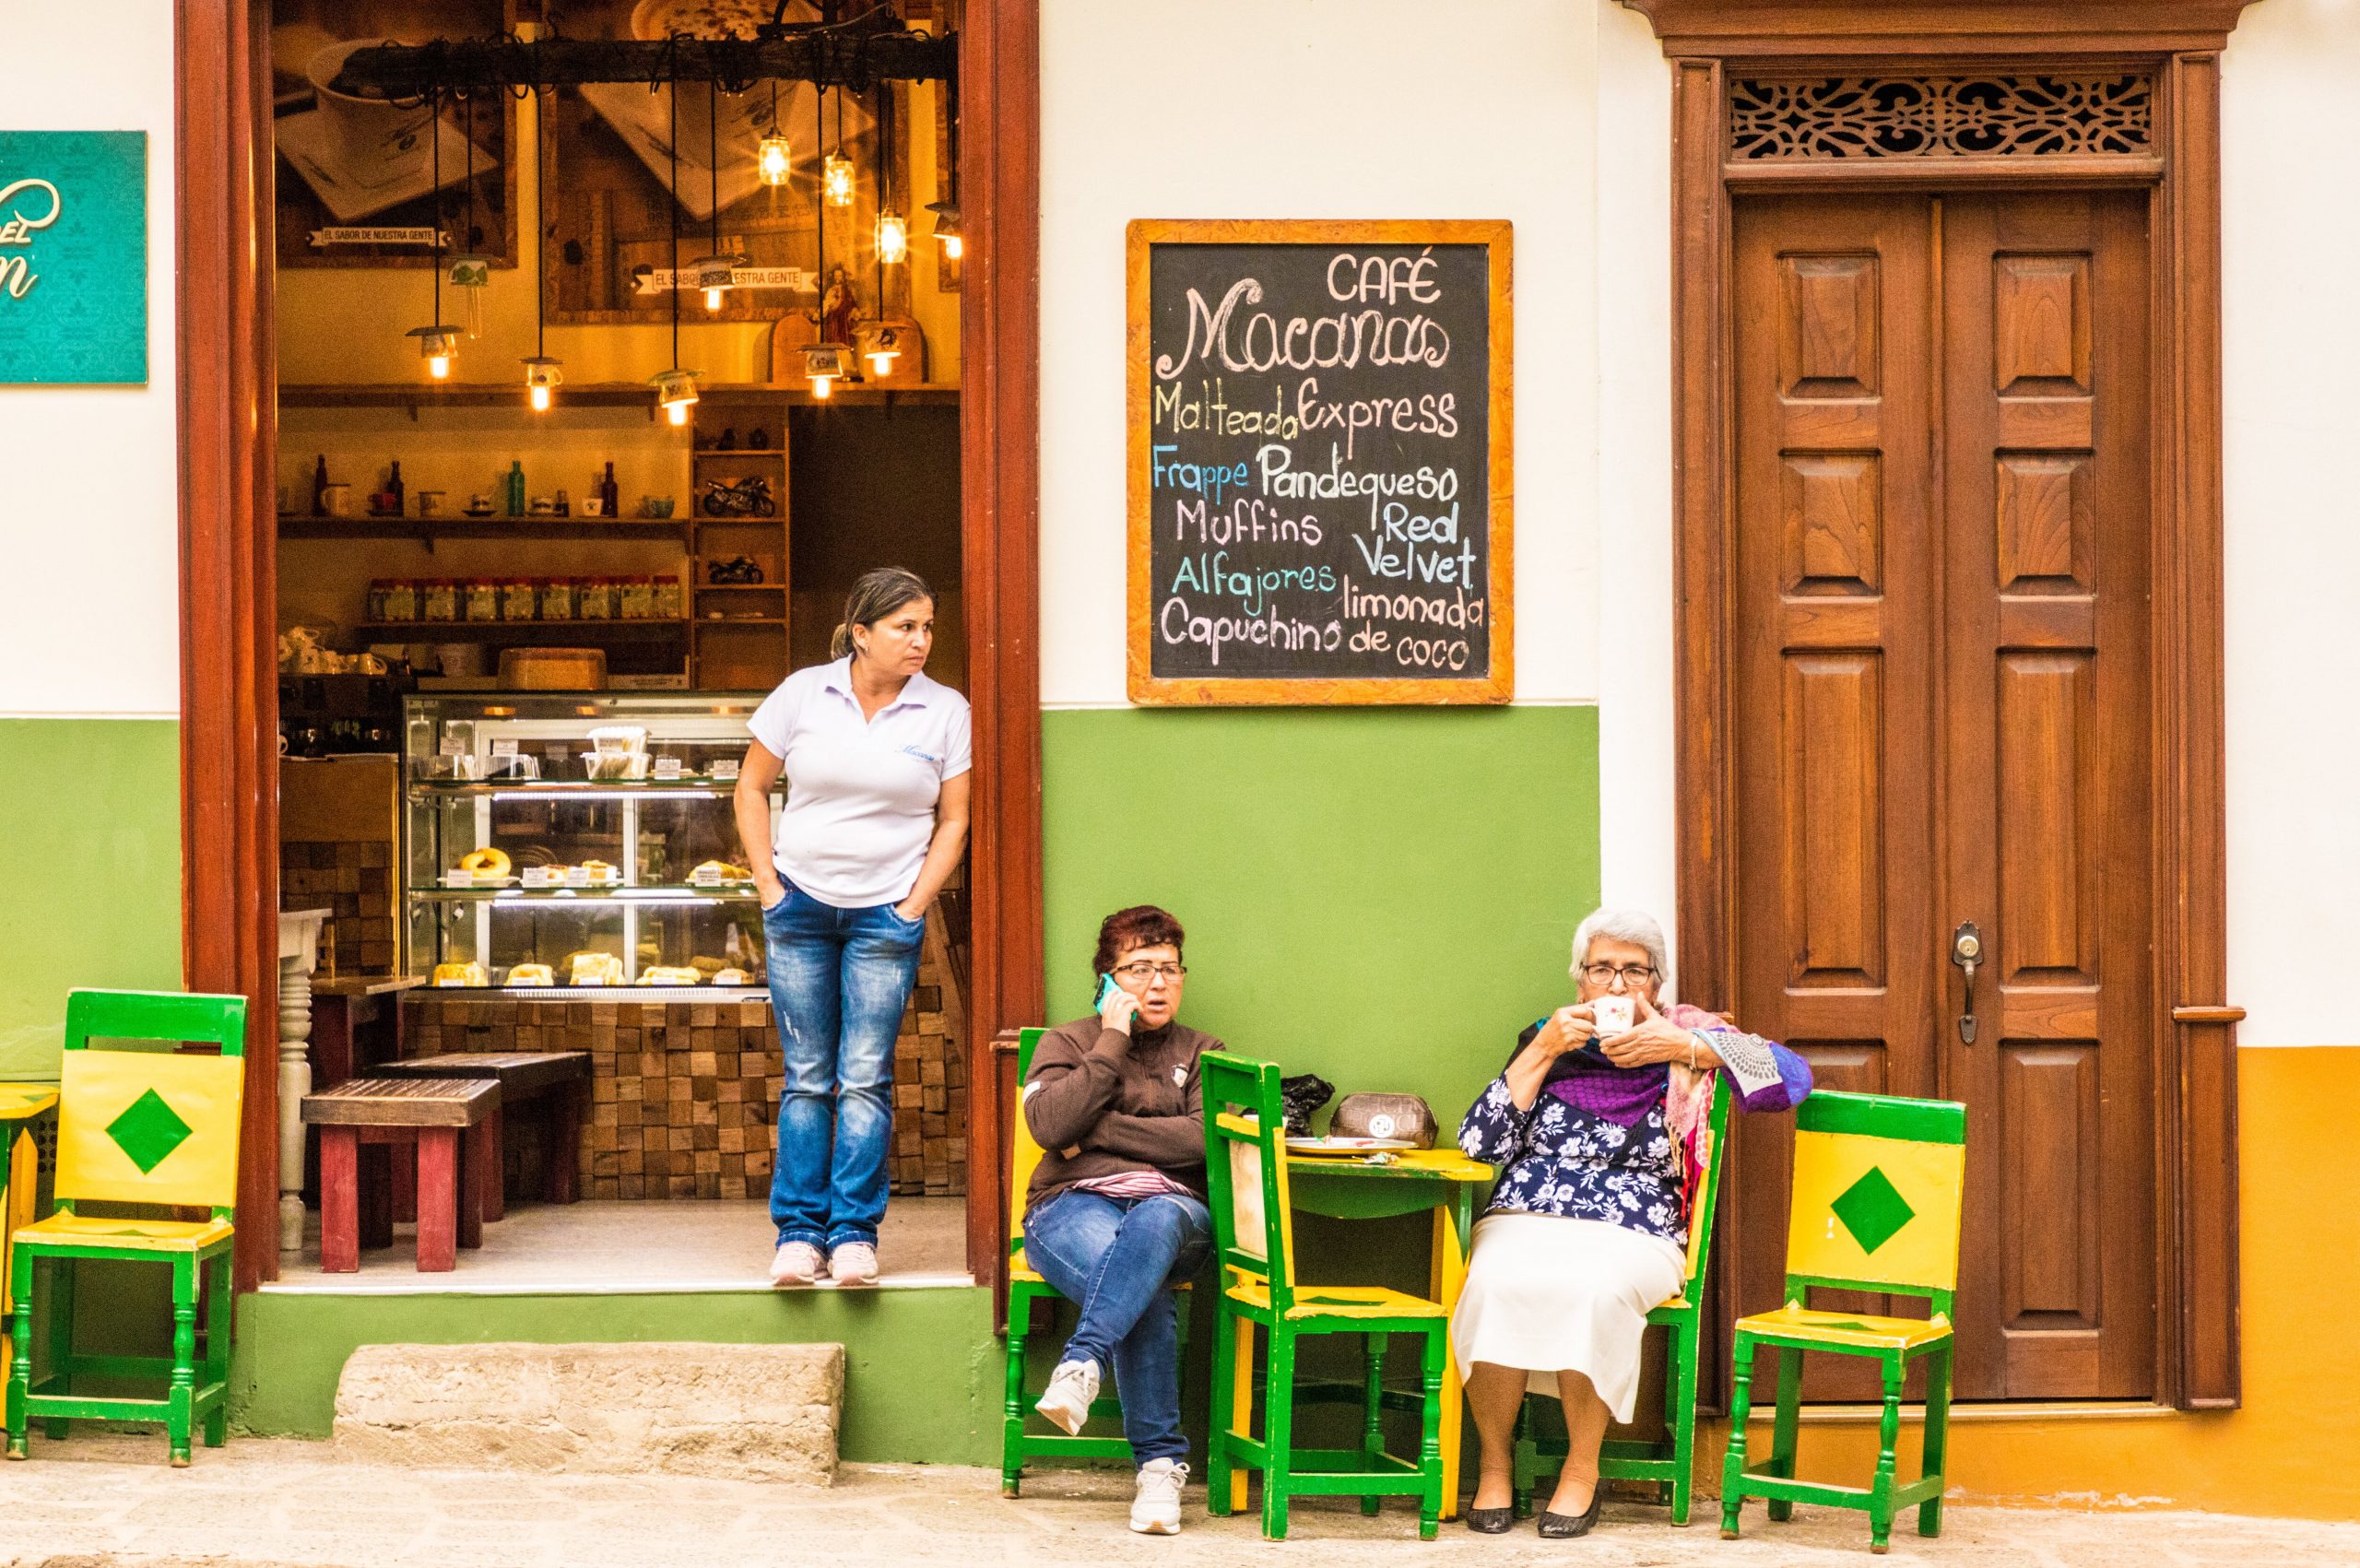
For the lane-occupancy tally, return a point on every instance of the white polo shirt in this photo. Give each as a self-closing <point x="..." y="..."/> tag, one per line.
<point x="860" y="793"/>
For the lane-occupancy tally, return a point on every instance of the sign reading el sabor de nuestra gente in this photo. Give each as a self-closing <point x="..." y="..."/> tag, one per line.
<point x="73" y="257"/>
<point x="1319" y="463"/>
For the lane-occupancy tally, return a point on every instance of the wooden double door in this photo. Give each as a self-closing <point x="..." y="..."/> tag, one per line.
<point x="1941" y="725"/>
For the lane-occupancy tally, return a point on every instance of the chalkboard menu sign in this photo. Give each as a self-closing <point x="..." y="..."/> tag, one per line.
<point x="1319" y="463"/>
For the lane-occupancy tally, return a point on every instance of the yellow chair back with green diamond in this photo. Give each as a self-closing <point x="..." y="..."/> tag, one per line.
<point x="1879" y="1183"/>
<point x="149" y="1126"/>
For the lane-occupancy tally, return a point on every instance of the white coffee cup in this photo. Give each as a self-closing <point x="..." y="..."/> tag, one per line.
<point x="1612" y="1016"/>
<point x="370" y="137"/>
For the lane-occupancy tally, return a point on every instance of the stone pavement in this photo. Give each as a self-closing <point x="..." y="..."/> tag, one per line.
<point x="108" y="1498"/>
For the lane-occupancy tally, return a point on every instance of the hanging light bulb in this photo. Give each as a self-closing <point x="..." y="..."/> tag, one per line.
<point x="774" y="159"/>
<point x="714" y="274"/>
<point x="892" y="238"/>
<point x="541" y="377"/>
<point x="835" y="179"/>
<point x="883" y="349"/>
<point x="946" y="227"/>
<point x="437" y="344"/>
<point x="676" y="389"/>
<point x="823" y="363"/>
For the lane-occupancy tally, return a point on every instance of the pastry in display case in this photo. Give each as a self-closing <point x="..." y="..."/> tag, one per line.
<point x="557" y="841"/>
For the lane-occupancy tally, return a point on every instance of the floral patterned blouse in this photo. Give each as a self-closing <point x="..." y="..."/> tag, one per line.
<point x="1564" y="1160"/>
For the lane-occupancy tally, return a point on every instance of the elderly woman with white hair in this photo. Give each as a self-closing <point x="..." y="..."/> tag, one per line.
<point x="1587" y="1229"/>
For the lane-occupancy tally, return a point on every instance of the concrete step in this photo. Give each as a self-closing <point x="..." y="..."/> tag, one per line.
<point x="745" y="1412"/>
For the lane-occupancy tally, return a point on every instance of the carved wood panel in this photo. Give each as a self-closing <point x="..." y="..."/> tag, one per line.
<point x="2010" y="114"/>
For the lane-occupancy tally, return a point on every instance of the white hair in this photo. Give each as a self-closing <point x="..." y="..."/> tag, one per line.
<point x="1636" y="927"/>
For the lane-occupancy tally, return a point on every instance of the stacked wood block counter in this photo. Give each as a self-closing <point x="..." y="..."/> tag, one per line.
<point x="684" y="1092"/>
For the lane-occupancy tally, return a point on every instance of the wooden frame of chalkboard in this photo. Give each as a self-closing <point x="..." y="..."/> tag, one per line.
<point x="1259" y="577"/>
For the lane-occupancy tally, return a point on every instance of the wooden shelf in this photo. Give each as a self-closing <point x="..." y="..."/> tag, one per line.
<point x="743" y="452"/>
<point x="426" y="530"/>
<point x="709" y="622"/>
<point x="510" y="396"/>
<point x="739" y="587"/>
<point x="525" y="633"/>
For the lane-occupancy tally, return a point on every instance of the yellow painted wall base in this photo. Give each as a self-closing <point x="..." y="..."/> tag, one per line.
<point x="2288" y="1452"/>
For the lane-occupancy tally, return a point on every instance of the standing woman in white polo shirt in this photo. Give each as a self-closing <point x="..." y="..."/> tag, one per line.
<point x="875" y="756"/>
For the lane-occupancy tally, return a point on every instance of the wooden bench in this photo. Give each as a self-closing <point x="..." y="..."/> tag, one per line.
<point x="559" y="1079"/>
<point x="444" y="1120"/>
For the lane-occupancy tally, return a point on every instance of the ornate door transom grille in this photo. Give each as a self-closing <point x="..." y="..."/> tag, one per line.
<point x="2111" y="115"/>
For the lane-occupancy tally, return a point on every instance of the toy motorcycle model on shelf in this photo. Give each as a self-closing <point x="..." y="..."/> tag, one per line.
<point x="747" y="498"/>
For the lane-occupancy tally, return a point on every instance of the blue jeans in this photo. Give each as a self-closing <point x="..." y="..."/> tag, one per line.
<point x="1119" y="1257"/>
<point x="839" y="980"/>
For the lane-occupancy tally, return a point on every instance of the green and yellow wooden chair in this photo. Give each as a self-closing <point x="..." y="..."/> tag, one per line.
<point x="1879" y="1183"/>
<point x="137" y="1127"/>
<point x="1671" y="1460"/>
<point x="1024" y="1288"/>
<point x="19" y="1179"/>
<point x="1253" y="1234"/>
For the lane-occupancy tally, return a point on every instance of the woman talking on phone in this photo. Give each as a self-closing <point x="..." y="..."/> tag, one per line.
<point x="875" y="756"/>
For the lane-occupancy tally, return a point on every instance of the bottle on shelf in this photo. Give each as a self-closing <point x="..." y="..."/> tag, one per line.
<point x="515" y="497"/>
<point x="393" y="490"/>
<point x="609" y="496"/>
<point x="563" y="508"/>
<point x="320" y="485"/>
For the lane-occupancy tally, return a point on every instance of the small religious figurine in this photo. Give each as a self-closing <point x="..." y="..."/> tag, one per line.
<point x="838" y="307"/>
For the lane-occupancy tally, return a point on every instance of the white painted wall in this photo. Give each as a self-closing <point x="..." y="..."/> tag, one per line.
<point x="90" y="521"/>
<point x="2291" y="339"/>
<point x="1315" y="109"/>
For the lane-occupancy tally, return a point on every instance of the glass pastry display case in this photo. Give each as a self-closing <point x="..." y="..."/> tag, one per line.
<point x="553" y="841"/>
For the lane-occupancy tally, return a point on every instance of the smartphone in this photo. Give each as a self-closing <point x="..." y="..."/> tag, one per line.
<point x="1107" y="986"/>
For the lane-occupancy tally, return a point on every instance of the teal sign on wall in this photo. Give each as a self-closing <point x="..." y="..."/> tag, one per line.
<point x="73" y="257"/>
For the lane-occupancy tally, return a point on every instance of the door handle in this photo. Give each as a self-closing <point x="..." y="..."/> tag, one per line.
<point x="1966" y="951"/>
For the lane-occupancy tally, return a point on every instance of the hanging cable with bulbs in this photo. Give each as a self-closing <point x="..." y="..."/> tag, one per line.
<point x="676" y="389"/>
<point x="436" y="341"/>
<point x="542" y="374"/>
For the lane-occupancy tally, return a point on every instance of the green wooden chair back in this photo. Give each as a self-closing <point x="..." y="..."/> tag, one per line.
<point x="140" y="1124"/>
<point x="1023" y="1151"/>
<point x="1879" y="1183"/>
<point x="1708" y="1190"/>
<point x="1246" y="1171"/>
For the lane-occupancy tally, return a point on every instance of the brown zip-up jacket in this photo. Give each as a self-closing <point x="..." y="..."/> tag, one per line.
<point x="1118" y="1103"/>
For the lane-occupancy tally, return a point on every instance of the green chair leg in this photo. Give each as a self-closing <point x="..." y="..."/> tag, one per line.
<point x="1741" y="1406"/>
<point x="180" y="1402"/>
<point x="1783" y="1437"/>
<point x="1277" y="1431"/>
<point x="1430" y="1432"/>
<point x="1372" y="1411"/>
<point x="1011" y="1440"/>
<point x="1679" y="1418"/>
<point x="1938" y="1423"/>
<point x="1224" y="1396"/>
<point x="1525" y="1473"/>
<point x="1888" y="1438"/>
<point x="20" y="1373"/>
<point x="62" y="1272"/>
<point x="216" y="1352"/>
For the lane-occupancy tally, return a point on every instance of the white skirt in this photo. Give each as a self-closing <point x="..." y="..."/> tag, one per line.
<point x="1548" y="1294"/>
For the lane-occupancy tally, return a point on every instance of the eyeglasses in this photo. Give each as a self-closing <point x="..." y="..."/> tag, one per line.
<point x="1604" y="973"/>
<point x="1142" y="972"/>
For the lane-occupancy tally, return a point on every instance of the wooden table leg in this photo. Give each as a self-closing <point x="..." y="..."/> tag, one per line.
<point x="1449" y="1276"/>
<point x="438" y="1199"/>
<point x="340" y="1200"/>
<point x="488" y="1169"/>
<point x="479" y="1178"/>
<point x="563" y="1151"/>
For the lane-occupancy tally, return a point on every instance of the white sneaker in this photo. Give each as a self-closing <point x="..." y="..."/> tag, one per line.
<point x="853" y="1263"/>
<point x="1073" y="1388"/>
<point x="794" y="1262"/>
<point x="1156" y="1509"/>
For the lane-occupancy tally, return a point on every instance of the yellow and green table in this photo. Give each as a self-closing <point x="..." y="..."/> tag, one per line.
<point x="20" y="1106"/>
<point x="1440" y="1180"/>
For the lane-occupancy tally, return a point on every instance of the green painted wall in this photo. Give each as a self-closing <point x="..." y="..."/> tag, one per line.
<point x="922" y="1373"/>
<point x="90" y="879"/>
<point x="1378" y="895"/>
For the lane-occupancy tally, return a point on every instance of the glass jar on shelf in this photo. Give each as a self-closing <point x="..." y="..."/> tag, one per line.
<point x="557" y="598"/>
<point x="637" y="601"/>
<point x="596" y="598"/>
<point x="376" y="602"/>
<point x="517" y="600"/>
<point x="667" y="598"/>
<point x="483" y="598"/>
<point x="401" y="600"/>
<point x="438" y="599"/>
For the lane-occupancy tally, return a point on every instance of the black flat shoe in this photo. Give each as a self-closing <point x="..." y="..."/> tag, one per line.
<point x="1564" y="1526"/>
<point x="1491" y="1521"/>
